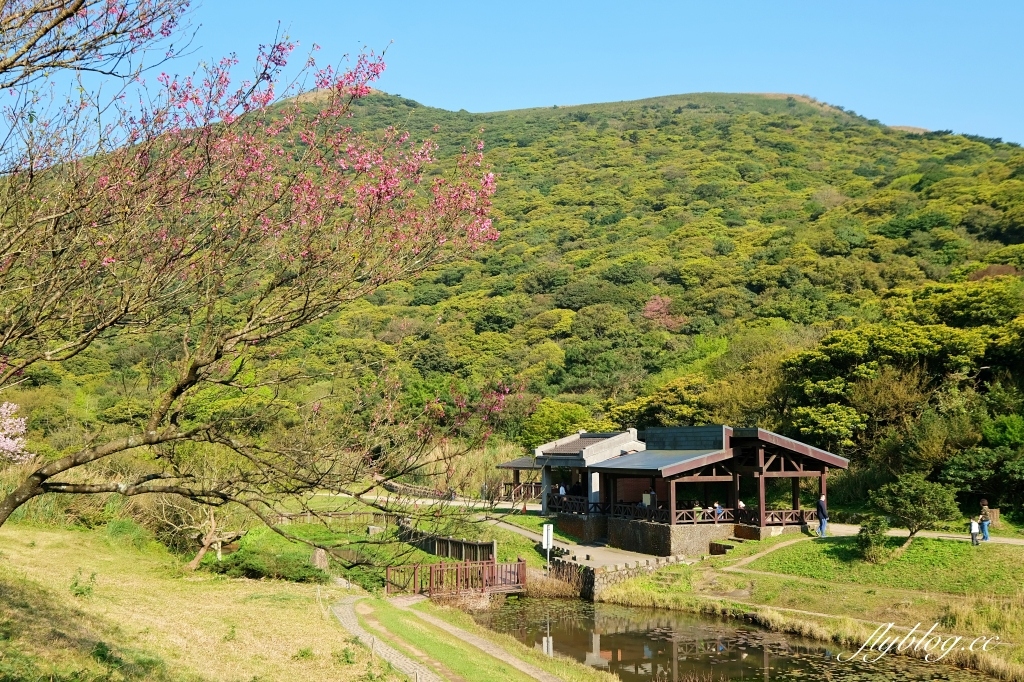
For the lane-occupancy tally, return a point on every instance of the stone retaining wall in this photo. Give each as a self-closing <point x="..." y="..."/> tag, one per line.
<point x="662" y="539"/>
<point x="759" y="533"/>
<point x="585" y="528"/>
<point x="592" y="581"/>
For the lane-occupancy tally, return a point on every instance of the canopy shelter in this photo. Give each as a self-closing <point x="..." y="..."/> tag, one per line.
<point x="574" y="455"/>
<point x="517" y="490"/>
<point x="709" y="455"/>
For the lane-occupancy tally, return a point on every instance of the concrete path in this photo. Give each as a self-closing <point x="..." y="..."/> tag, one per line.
<point x="480" y="643"/>
<point x="851" y="529"/>
<point x="346" y="615"/>
<point x="599" y="554"/>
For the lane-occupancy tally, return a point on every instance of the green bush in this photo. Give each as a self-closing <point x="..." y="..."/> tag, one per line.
<point x="264" y="554"/>
<point x="871" y="539"/>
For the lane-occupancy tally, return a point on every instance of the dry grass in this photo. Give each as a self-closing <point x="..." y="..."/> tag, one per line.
<point x="156" y="620"/>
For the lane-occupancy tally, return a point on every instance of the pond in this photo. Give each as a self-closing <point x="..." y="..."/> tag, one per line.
<point x="668" y="646"/>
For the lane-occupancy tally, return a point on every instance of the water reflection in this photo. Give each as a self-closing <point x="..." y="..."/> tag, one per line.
<point x="663" y="646"/>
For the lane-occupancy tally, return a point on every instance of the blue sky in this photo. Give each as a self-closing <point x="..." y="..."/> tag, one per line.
<point x="937" y="65"/>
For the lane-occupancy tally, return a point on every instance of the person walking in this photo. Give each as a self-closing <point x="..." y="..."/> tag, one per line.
<point x="822" y="516"/>
<point x="974" y="530"/>
<point x="986" y="519"/>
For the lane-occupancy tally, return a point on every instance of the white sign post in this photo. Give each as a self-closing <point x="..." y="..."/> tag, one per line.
<point x="547" y="541"/>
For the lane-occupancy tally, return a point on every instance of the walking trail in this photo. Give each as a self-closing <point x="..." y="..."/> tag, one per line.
<point x="405" y="603"/>
<point x="345" y="612"/>
<point x="599" y="555"/>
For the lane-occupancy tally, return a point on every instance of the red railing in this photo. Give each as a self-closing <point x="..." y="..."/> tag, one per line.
<point x="453" y="578"/>
<point x="517" y="492"/>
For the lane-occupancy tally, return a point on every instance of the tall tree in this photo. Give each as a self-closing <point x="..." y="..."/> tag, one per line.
<point x="219" y="216"/>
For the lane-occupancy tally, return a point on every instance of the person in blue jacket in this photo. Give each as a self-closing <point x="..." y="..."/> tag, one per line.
<point x="822" y="516"/>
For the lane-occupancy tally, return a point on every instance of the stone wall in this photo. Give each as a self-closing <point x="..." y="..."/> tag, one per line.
<point x="662" y="539"/>
<point x="586" y="528"/>
<point x="758" y="533"/>
<point x="592" y="581"/>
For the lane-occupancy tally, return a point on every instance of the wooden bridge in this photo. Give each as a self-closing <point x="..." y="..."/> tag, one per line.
<point x="455" y="578"/>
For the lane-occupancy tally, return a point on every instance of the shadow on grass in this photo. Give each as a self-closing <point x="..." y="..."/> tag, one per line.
<point x="36" y="627"/>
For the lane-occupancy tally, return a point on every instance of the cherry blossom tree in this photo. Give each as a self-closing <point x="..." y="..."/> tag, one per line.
<point x="222" y="214"/>
<point x="12" y="435"/>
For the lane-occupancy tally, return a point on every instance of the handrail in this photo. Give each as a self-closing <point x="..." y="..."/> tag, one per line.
<point x="452" y="578"/>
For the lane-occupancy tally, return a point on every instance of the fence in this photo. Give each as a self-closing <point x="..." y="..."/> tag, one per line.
<point x="452" y="548"/>
<point x="420" y="491"/>
<point x="569" y="504"/>
<point x="453" y="578"/>
<point x="777" y="517"/>
<point x="382" y="519"/>
<point x="517" y="492"/>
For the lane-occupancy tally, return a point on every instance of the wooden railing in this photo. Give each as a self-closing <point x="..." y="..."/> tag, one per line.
<point x="453" y="578"/>
<point x="723" y="515"/>
<point x="452" y="548"/>
<point x="517" y="492"/>
<point x="638" y="513"/>
<point x="777" y="517"/>
<point x="570" y="504"/>
<point x="341" y="518"/>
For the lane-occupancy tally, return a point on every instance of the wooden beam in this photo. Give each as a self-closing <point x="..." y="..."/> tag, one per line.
<point x="790" y="474"/>
<point x="672" y="503"/>
<point x="703" y="479"/>
<point x="760" y="486"/>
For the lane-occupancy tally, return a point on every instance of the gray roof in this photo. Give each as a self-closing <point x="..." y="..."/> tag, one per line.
<point x="521" y="463"/>
<point x="661" y="462"/>
<point x="575" y="446"/>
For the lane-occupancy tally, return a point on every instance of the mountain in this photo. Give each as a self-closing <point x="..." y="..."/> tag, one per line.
<point x="741" y="258"/>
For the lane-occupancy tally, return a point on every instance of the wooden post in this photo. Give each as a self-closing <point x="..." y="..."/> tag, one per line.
<point x="515" y="476"/>
<point x="672" y="502"/>
<point x="387" y="580"/>
<point x="735" y="491"/>
<point x="760" y="486"/>
<point x="796" y="493"/>
<point x="415" y="579"/>
<point x="821" y="481"/>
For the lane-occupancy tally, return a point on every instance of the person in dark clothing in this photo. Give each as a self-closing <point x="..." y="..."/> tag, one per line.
<point x="985" y="519"/>
<point x="822" y="516"/>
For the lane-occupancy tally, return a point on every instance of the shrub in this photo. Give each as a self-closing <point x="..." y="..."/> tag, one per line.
<point x="871" y="539"/>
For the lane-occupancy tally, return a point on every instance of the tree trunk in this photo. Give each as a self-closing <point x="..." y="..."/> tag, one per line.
<point x="208" y="541"/>
<point x="19" y="496"/>
<point x="194" y="564"/>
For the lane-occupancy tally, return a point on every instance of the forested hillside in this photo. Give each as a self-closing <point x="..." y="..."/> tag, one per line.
<point x="704" y="258"/>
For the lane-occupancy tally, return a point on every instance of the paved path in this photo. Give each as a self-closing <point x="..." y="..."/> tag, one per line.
<point x="480" y="643"/>
<point x="851" y="529"/>
<point x="346" y="615"/>
<point x="599" y="554"/>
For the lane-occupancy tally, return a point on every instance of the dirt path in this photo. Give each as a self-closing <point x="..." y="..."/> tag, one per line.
<point x="480" y="643"/>
<point x="346" y="615"/>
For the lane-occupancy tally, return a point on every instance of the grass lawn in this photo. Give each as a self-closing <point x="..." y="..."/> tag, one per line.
<point x="419" y="639"/>
<point x="532" y="520"/>
<point x="927" y="565"/>
<point x="89" y="605"/>
<point x="512" y="545"/>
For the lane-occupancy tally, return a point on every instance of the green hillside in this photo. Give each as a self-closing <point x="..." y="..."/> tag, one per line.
<point x="699" y="258"/>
